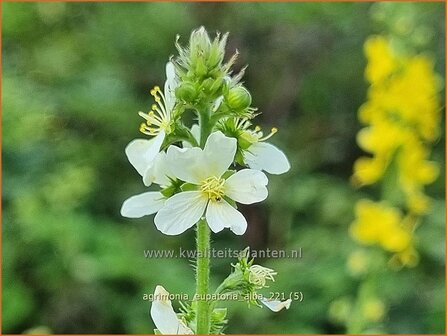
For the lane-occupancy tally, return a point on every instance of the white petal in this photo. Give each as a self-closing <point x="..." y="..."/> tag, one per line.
<point x="220" y="215"/>
<point x="265" y="156"/>
<point x="159" y="172"/>
<point x="219" y="153"/>
<point x="247" y="186"/>
<point x="164" y="316"/>
<point x="170" y="86"/>
<point x="217" y="103"/>
<point x="141" y="152"/>
<point x="195" y="131"/>
<point x="187" y="164"/>
<point x="275" y="305"/>
<point x="180" y="212"/>
<point x="143" y="204"/>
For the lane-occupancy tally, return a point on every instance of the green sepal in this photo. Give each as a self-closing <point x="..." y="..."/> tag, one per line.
<point x="228" y="173"/>
<point x="239" y="158"/>
<point x="230" y="201"/>
<point x="189" y="187"/>
<point x="169" y="191"/>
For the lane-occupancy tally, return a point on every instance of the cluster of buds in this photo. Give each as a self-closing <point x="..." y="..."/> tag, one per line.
<point x="205" y="78"/>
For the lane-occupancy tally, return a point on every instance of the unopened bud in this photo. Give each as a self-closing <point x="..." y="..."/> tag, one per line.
<point x="238" y="98"/>
<point x="186" y="92"/>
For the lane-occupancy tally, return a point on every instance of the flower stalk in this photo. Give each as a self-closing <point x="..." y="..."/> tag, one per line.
<point x="202" y="277"/>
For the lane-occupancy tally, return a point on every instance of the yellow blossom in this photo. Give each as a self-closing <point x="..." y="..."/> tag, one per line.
<point x="377" y="223"/>
<point x="402" y="117"/>
<point x="368" y="170"/>
<point x="381" y="61"/>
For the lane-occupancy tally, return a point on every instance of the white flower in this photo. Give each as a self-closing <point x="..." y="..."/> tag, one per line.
<point x="262" y="155"/>
<point x="164" y="316"/>
<point x="276" y="305"/>
<point x="204" y="169"/>
<point x="141" y="152"/>
<point x="157" y="172"/>
<point x="159" y="119"/>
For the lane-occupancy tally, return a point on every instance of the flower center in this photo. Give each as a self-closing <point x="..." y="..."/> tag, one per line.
<point x="159" y="118"/>
<point x="213" y="188"/>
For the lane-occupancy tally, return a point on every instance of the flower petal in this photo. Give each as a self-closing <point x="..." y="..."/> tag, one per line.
<point x="180" y="212"/>
<point x="141" y="152"/>
<point x="220" y="215"/>
<point x="275" y="305"/>
<point x="170" y="86"/>
<point x="159" y="172"/>
<point x="217" y="103"/>
<point x="195" y="131"/>
<point x="143" y="204"/>
<point x="164" y="316"/>
<point x="265" y="156"/>
<point x="219" y="153"/>
<point x="247" y="186"/>
<point x="187" y="164"/>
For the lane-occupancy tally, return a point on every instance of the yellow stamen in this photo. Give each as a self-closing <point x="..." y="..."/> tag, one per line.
<point x="213" y="188"/>
<point x="158" y="118"/>
<point x="272" y="132"/>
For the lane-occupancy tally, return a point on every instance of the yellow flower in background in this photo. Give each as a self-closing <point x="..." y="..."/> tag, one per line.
<point x="402" y="117"/>
<point x="381" y="61"/>
<point x="379" y="224"/>
<point x="368" y="170"/>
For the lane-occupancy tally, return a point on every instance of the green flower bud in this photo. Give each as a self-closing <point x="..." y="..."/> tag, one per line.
<point x="207" y="83"/>
<point x="238" y="98"/>
<point x="217" y="85"/>
<point x="201" y="68"/>
<point x="217" y="51"/>
<point x="199" y="41"/>
<point x="186" y="92"/>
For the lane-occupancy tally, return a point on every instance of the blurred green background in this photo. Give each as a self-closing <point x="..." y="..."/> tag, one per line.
<point x="74" y="77"/>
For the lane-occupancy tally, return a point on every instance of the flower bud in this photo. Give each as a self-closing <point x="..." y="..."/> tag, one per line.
<point x="186" y="92"/>
<point x="216" y="85"/>
<point x="199" y="41"/>
<point x="200" y="67"/>
<point x="238" y="98"/>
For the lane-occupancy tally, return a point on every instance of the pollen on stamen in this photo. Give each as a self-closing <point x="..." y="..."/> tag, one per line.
<point x="273" y="131"/>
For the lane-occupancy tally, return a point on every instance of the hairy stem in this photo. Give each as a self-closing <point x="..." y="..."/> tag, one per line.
<point x="203" y="272"/>
<point x="203" y="247"/>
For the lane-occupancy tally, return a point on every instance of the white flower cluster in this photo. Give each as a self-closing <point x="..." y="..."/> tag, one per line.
<point x="203" y="185"/>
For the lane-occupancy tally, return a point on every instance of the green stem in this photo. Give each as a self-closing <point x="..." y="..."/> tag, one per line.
<point x="203" y="247"/>
<point x="206" y="126"/>
<point x="203" y="272"/>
